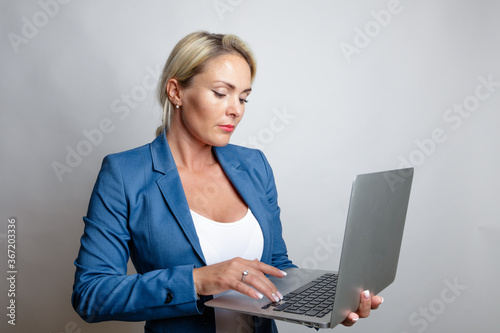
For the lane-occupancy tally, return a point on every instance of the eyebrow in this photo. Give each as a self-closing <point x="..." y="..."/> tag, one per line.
<point x="233" y="87"/>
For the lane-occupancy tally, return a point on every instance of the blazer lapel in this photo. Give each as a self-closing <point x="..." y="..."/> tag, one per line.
<point x="238" y="175"/>
<point x="171" y="188"/>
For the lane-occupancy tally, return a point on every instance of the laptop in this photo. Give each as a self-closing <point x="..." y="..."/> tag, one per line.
<point x="369" y="258"/>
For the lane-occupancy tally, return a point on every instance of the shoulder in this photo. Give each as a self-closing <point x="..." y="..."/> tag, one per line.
<point x="128" y="162"/>
<point x="128" y="155"/>
<point x="126" y="171"/>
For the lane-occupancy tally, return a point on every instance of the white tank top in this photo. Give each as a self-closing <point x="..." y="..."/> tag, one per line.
<point x="223" y="241"/>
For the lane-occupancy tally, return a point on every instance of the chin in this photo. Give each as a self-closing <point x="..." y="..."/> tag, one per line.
<point x="221" y="144"/>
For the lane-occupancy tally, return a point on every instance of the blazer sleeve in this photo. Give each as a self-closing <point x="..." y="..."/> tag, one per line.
<point x="280" y="255"/>
<point x="102" y="289"/>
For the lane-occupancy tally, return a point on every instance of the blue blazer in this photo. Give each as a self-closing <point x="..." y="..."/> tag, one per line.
<point x="138" y="209"/>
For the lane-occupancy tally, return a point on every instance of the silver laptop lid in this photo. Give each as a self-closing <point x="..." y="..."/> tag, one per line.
<point x="369" y="258"/>
<point x="372" y="239"/>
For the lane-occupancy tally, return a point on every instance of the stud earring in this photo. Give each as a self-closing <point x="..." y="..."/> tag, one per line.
<point x="176" y="106"/>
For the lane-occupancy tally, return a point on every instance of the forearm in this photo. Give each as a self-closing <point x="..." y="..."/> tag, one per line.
<point x="154" y="295"/>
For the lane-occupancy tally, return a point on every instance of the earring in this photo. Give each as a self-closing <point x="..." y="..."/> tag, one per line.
<point x="176" y="106"/>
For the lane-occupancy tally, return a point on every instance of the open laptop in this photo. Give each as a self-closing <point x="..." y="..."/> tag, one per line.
<point x="369" y="258"/>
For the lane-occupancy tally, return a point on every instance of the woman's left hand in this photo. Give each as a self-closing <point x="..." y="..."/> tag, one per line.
<point x="367" y="303"/>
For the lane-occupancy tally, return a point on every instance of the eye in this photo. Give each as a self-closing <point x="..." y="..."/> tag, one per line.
<point x="242" y="100"/>
<point x="218" y="95"/>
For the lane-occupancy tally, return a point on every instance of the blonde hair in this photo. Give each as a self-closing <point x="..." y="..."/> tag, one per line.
<point x="190" y="56"/>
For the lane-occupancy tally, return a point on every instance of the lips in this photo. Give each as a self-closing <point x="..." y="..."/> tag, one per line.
<point x="227" y="128"/>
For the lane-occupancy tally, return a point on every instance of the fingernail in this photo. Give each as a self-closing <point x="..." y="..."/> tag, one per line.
<point x="283" y="273"/>
<point x="259" y="295"/>
<point x="354" y="319"/>
<point x="366" y="294"/>
<point x="279" y="295"/>
<point x="382" y="301"/>
<point x="276" y="299"/>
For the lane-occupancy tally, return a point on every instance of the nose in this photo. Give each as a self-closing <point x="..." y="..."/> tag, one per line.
<point x="235" y="108"/>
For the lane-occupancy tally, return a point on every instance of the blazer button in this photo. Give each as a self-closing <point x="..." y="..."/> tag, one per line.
<point x="170" y="297"/>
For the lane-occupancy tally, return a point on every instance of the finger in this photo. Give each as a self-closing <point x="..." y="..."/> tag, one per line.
<point x="266" y="269"/>
<point x="351" y="319"/>
<point x="259" y="281"/>
<point x="376" y="301"/>
<point x="365" y="304"/>
<point x="256" y="287"/>
<point x="247" y="290"/>
<point x="255" y="278"/>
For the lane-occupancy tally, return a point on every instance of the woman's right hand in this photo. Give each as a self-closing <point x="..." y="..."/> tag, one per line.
<point x="216" y="278"/>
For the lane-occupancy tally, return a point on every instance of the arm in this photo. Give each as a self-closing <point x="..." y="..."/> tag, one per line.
<point x="280" y="254"/>
<point x="102" y="290"/>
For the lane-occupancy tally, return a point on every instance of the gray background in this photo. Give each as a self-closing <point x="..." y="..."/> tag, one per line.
<point x="320" y="115"/>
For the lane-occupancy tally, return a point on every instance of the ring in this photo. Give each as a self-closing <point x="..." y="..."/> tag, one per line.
<point x="245" y="273"/>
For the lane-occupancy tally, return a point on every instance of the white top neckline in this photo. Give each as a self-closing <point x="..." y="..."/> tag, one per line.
<point x="224" y="224"/>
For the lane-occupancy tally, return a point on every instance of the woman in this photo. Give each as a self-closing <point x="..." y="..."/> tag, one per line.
<point x="192" y="212"/>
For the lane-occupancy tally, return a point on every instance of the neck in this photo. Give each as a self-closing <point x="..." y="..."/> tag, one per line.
<point x="188" y="153"/>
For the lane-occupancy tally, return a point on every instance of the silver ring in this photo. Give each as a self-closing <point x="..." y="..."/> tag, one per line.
<point x="244" y="274"/>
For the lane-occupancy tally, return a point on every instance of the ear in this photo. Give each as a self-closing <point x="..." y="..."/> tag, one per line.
<point x="174" y="92"/>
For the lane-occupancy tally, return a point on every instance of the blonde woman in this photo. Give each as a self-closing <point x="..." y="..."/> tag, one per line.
<point x="192" y="211"/>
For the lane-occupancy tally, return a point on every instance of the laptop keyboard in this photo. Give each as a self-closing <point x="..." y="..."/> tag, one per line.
<point x="314" y="299"/>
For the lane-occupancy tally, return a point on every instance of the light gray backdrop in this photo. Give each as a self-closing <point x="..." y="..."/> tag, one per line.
<point x="343" y="87"/>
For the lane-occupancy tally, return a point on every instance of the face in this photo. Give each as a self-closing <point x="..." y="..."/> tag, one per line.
<point x="214" y="103"/>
